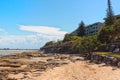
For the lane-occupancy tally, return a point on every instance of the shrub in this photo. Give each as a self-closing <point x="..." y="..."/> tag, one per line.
<point x="87" y="44"/>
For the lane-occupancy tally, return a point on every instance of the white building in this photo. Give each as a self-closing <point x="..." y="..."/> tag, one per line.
<point x="94" y="28"/>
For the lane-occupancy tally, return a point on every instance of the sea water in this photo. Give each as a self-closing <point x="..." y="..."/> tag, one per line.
<point x="13" y="52"/>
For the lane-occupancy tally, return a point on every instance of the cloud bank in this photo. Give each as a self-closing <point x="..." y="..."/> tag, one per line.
<point x="41" y="35"/>
<point x="43" y="30"/>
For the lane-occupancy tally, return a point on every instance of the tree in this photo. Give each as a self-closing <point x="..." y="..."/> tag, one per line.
<point x="109" y="20"/>
<point x="108" y="34"/>
<point x="89" y="44"/>
<point x="49" y="43"/>
<point x="86" y="44"/>
<point x="116" y="29"/>
<point x="69" y="37"/>
<point x="81" y="29"/>
<point x="105" y="35"/>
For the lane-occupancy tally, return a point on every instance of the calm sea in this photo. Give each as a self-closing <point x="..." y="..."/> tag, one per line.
<point x="13" y="52"/>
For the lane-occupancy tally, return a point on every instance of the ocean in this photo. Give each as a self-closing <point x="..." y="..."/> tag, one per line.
<point x="13" y="52"/>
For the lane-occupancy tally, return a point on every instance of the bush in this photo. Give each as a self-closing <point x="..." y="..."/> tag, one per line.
<point x="108" y="33"/>
<point x="87" y="44"/>
<point x="49" y="43"/>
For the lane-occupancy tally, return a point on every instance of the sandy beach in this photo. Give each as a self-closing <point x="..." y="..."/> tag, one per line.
<point x="81" y="71"/>
<point x="34" y="66"/>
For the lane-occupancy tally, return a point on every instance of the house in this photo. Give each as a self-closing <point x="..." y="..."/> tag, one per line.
<point x="93" y="28"/>
<point x="90" y="29"/>
<point x="117" y="17"/>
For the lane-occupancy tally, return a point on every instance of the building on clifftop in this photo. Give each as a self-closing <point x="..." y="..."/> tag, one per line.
<point x="93" y="28"/>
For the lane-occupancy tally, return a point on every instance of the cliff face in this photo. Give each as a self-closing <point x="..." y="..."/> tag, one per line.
<point x="58" y="48"/>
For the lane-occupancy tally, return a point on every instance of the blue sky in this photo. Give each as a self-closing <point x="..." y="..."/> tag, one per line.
<point x="31" y="23"/>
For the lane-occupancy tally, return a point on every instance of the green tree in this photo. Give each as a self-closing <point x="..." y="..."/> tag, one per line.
<point x="108" y="34"/>
<point x="116" y="29"/>
<point x="105" y="35"/>
<point x="81" y="29"/>
<point x="87" y="44"/>
<point x="109" y="20"/>
<point x="67" y="37"/>
<point x="76" y="46"/>
<point x="49" y="43"/>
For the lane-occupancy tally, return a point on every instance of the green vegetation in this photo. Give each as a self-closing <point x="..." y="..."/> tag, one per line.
<point x="116" y="29"/>
<point x="81" y="29"/>
<point x="87" y="44"/>
<point x="105" y="34"/>
<point x="109" y="33"/>
<point x="69" y="37"/>
<point x="95" y="43"/>
<point x="109" y="53"/>
<point x="77" y="44"/>
<point x="49" y="43"/>
<point x="109" y="20"/>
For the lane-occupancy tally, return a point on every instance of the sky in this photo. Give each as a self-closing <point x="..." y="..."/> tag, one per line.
<point x="29" y="24"/>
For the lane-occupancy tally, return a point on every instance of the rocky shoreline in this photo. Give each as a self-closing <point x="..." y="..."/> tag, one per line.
<point x="28" y="65"/>
<point x="21" y="66"/>
<point x="107" y="59"/>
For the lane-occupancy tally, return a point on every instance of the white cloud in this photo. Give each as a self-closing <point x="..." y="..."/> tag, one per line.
<point x="26" y="41"/>
<point x="41" y="35"/>
<point x="43" y="30"/>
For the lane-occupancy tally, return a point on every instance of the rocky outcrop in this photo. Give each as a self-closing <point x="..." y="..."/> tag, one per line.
<point x="108" y="60"/>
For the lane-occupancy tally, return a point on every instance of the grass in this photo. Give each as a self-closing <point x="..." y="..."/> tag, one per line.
<point x="109" y="53"/>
